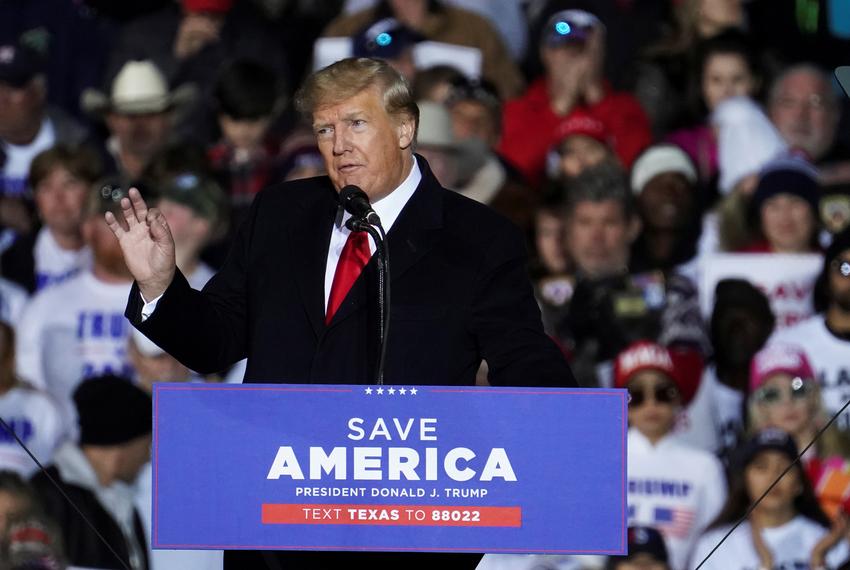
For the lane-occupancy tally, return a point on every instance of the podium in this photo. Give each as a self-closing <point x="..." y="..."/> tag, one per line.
<point x="389" y="468"/>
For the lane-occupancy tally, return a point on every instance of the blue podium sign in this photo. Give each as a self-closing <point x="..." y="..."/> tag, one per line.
<point x="389" y="468"/>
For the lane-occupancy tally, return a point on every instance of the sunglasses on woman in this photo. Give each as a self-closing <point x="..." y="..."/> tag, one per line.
<point x="662" y="393"/>
<point x="799" y="390"/>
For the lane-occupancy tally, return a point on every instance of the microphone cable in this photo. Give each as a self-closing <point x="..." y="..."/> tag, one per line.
<point x="65" y="495"/>
<point x="382" y="248"/>
<point x="385" y="305"/>
<point x="772" y="485"/>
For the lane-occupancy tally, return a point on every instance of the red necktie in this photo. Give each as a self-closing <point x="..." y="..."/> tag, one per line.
<point x="355" y="255"/>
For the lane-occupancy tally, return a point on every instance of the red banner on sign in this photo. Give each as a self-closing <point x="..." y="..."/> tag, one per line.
<point x="397" y="515"/>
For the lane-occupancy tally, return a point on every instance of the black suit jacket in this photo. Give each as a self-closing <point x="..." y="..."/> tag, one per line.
<point x="460" y="294"/>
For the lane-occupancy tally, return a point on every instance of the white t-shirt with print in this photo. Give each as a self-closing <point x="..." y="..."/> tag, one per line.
<point x="18" y="159"/>
<point x="829" y="355"/>
<point x="36" y="420"/>
<point x="791" y="545"/>
<point x="72" y="331"/>
<point x="54" y="264"/>
<point x="714" y="418"/>
<point x="675" y="488"/>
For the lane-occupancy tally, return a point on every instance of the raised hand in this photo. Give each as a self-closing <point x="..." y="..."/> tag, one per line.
<point x="196" y="31"/>
<point x="147" y="244"/>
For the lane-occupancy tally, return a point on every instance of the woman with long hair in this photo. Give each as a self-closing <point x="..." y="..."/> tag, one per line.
<point x="785" y="395"/>
<point x="786" y="529"/>
<point x="664" y="74"/>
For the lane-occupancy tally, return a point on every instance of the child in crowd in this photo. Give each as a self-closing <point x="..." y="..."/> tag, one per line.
<point x="672" y="487"/>
<point x="786" y="529"/>
<point x="583" y="142"/>
<point x="784" y="394"/>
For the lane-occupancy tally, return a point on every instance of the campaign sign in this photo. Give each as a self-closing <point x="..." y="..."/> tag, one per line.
<point x="389" y="468"/>
<point x="787" y="280"/>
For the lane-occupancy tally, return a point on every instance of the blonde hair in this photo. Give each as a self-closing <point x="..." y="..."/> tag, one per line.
<point x="348" y="77"/>
<point x="832" y="442"/>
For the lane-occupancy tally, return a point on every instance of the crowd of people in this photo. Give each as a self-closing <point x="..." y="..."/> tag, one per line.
<point x="680" y="168"/>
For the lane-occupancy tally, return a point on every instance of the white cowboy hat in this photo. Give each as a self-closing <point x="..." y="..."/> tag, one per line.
<point x="140" y="87"/>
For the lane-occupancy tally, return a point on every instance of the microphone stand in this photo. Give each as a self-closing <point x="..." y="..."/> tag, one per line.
<point x="382" y="249"/>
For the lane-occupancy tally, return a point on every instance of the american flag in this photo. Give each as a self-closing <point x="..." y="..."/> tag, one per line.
<point x="674" y="522"/>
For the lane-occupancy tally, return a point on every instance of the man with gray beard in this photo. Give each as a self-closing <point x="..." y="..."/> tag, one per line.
<point x="76" y="329"/>
<point x="805" y="109"/>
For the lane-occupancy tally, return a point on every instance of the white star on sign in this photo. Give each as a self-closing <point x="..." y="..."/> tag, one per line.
<point x="402" y="391"/>
<point x="380" y="391"/>
<point x="391" y="391"/>
<point x="368" y="390"/>
<point x="413" y="391"/>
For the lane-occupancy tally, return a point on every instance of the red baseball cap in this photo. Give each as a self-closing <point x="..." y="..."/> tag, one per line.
<point x="778" y="359"/>
<point x="582" y="124"/>
<point x="640" y="356"/>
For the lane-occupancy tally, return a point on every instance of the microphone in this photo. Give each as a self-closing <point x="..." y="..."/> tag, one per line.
<point x="363" y="218"/>
<point x="356" y="202"/>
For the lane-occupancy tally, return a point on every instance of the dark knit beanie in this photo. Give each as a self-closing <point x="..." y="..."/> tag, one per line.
<point x="112" y="410"/>
<point x="792" y="176"/>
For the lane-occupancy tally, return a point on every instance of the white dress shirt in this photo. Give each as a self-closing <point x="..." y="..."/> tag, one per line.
<point x="388" y="208"/>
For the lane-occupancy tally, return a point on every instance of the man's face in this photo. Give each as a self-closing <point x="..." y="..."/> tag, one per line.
<point x="599" y="236"/>
<point x="666" y="201"/>
<point x="134" y="455"/>
<point x="244" y="134"/>
<point x="104" y="245"/>
<point x="803" y="113"/>
<point x="472" y="120"/>
<point x="157" y="368"/>
<point x="60" y="198"/>
<point x="741" y="333"/>
<point x="20" y="109"/>
<point x="11" y="506"/>
<point x="190" y="231"/>
<point x="363" y="145"/>
<point x="557" y="59"/>
<point x="443" y="164"/>
<point x="141" y="134"/>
